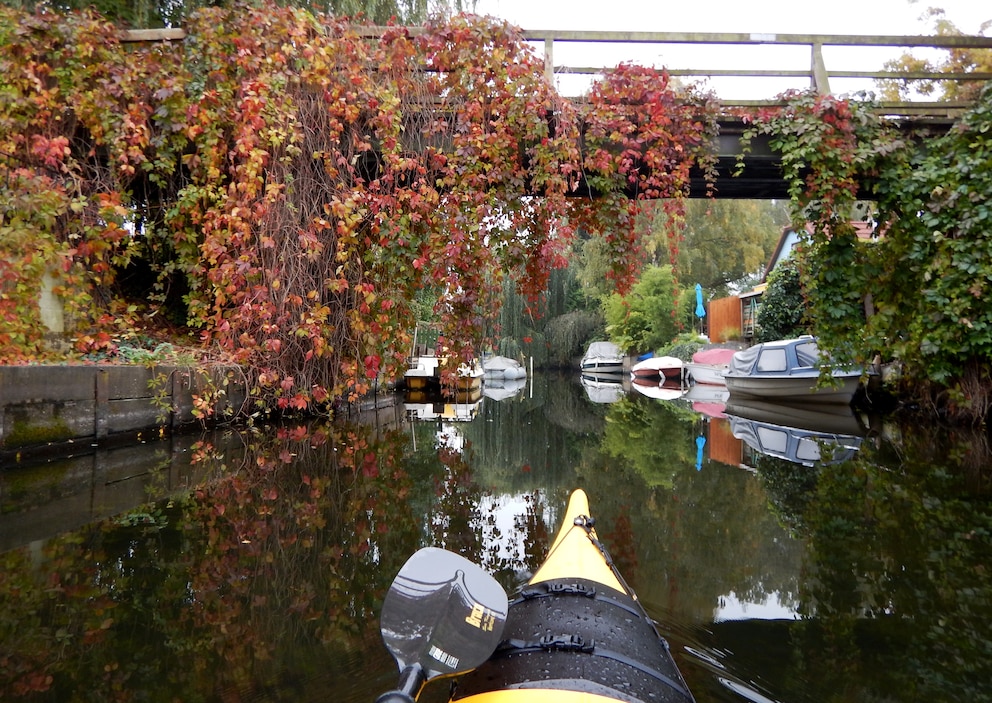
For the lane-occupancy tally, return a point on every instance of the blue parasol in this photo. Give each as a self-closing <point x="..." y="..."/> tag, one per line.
<point x="700" y="310"/>
<point x="700" y="443"/>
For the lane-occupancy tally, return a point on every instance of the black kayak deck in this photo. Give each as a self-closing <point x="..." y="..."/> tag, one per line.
<point x="579" y="635"/>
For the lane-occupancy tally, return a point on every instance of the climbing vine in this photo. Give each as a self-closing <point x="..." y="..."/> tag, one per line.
<point x="913" y="292"/>
<point x="287" y="186"/>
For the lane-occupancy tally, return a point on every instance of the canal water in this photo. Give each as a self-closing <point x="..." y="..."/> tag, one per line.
<point x="845" y="559"/>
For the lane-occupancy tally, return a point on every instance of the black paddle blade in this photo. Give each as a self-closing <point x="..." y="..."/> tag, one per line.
<point x="442" y="614"/>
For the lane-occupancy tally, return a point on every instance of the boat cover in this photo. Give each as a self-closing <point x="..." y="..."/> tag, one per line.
<point x="716" y="355"/>
<point x="603" y="350"/>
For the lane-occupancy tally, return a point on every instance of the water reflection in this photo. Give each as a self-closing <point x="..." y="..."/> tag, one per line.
<point x="261" y="575"/>
<point x="809" y="435"/>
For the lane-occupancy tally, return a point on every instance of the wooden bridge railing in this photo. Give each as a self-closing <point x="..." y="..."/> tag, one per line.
<point x="818" y="74"/>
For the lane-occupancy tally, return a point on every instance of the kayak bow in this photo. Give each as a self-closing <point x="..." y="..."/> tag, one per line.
<point x="576" y="633"/>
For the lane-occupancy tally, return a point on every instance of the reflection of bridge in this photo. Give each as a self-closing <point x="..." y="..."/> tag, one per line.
<point x="761" y="177"/>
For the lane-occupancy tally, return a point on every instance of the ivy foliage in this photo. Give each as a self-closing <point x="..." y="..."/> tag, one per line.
<point x="783" y="307"/>
<point x="291" y="188"/>
<point x="915" y="290"/>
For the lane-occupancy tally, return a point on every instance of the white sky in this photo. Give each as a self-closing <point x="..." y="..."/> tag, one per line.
<point x="855" y="17"/>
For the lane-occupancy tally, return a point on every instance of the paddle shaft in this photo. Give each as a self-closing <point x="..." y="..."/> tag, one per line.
<point x="412" y="679"/>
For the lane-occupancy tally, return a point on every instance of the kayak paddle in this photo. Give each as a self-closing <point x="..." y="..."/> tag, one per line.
<point x="443" y="615"/>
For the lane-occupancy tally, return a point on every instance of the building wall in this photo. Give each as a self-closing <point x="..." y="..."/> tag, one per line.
<point x="725" y="319"/>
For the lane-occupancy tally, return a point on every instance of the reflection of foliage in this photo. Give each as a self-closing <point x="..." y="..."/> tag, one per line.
<point x="539" y="433"/>
<point x="656" y="439"/>
<point x="790" y="488"/>
<point x="896" y="594"/>
<point x="252" y="574"/>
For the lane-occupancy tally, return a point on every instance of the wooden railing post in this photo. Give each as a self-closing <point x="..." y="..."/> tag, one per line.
<point x="549" y="60"/>
<point x="821" y="81"/>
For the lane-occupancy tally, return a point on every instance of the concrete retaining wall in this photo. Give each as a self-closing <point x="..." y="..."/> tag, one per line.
<point x="44" y="406"/>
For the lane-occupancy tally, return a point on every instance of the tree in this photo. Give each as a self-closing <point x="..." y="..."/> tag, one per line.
<point x="955" y="61"/>
<point x="300" y="201"/>
<point x="727" y="241"/>
<point x="649" y="316"/>
<point x="783" y="308"/>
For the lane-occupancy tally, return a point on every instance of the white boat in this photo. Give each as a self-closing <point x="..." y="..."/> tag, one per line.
<point x="602" y="388"/>
<point x="603" y="358"/>
<point x="503" y="368"/>
<point x="423" y="372"/>
<point x="788" y="369"/>
<point x="666" y="390"/>
<point x="425" y="368"/>
<point x="709" y="365"/>
<point x="469" y="376"/>
<point x="659" y="368"/>
<point x="502" y="389"/>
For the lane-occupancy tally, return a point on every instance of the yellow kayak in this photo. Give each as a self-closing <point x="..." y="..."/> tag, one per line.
<point x="576" y="633"/>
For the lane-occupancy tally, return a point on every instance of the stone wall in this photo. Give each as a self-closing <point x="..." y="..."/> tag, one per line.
<point x="46" y="406"/>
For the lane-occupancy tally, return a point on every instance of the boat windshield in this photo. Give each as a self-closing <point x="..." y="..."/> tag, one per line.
<point x="807" y="355"/>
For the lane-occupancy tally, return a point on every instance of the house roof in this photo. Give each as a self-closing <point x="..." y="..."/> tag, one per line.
<point x="787" y="240"/>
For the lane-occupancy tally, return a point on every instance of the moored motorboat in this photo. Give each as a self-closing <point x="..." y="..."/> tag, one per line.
<point x="789" y="369"/>
<point x="602" y="358"/>
<point x="576" y="633"/>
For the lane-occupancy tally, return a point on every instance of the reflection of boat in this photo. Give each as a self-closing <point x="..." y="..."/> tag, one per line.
<point x="788" y="369"/>
<point x="658" y="367"/>
<point x="503" y="368"/>
<point x="460" y="406"/>
<point x="707" y="393"/>
<point x="576" y="633"/>
<point x="503" y="389"/>
<point x="816" y="417"/>
<point x="667" y="390"/>
<point x="603" y="388"/>
<point x="708" y="365"/>
<point x="707" y="399"/>
<point x="602" y="357"/>
<point x="793" y="444"/>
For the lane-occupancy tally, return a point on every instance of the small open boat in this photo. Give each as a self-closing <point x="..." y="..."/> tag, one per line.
<point x="659" y="368"/>
<point x="576" y="633"/>
<point x="709" y="365"/>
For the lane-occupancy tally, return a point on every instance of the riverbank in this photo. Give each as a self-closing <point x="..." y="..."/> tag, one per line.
<point x="49" y="408"/>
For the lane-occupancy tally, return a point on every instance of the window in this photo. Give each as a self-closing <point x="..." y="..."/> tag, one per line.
<point x="807" y="355"/>
<point x="772" y="360"/>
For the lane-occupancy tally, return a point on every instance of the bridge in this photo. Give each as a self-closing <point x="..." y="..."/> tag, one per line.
<point x="761" y="177"/>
